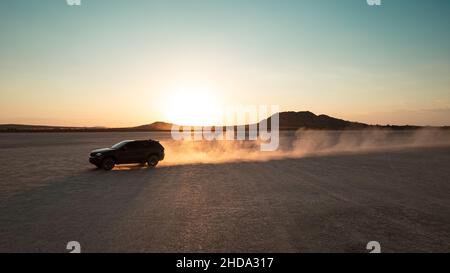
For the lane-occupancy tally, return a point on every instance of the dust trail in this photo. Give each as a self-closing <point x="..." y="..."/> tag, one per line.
<point x="302" y="143"/>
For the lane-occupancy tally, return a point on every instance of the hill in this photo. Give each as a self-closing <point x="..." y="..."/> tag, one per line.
<point x="308" y="120"/>
<point x="288" y="121"/>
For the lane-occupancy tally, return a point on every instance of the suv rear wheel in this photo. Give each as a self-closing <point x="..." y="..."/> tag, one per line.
<point x="108" y="163"/>
<point x="152" y="161"/>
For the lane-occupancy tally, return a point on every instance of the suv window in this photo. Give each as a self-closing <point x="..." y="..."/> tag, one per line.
<point x="135" y="145"/>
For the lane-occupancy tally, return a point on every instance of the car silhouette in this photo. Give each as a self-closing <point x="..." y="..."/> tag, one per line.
<point x="128" y="152"/>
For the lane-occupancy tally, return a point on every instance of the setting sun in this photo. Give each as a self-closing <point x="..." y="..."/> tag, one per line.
<point x="192" y="105"/>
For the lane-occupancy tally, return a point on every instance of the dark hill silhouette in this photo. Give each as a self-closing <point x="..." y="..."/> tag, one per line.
<point x="155" y="126"/>
<point x="288" y="121"/>
<point x="38" y="128"/>
<point x="308" y="120"/>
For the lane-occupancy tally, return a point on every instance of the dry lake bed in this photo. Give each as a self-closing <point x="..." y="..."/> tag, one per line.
<point x="298" y="200"/>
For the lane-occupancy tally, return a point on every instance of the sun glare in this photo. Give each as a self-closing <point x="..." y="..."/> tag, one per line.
<point x="196" y="106"/>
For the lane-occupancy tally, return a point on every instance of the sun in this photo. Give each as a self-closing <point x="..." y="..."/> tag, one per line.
<point x="192" y="106"/>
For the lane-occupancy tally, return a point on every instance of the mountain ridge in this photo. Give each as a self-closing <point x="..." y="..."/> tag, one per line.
<point x="289" y="120"/>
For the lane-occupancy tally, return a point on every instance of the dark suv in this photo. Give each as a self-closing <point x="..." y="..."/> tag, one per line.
<point x="128" y="151"/>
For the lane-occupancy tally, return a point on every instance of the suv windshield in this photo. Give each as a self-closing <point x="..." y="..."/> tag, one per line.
<point x="120" y="144"/>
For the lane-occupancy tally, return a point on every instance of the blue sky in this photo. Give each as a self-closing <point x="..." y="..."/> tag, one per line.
<point x="60" y="64"/>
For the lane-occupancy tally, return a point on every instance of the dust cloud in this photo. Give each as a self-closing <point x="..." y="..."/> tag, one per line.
<point x="302" y="143"/>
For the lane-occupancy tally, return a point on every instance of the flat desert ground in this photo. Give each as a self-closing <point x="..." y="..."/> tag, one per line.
<point x="225" y="199"/>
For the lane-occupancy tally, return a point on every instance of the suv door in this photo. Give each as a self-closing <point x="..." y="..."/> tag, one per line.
<point x="142" y="151"/>
<point x="130" y="153"/>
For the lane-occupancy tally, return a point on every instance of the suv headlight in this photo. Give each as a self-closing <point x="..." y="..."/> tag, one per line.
<point x="98" y="154"/>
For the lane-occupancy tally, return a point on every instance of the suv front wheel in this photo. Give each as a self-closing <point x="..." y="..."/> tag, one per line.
<point x="108" y="164"/>
<point x="152" y="161"/>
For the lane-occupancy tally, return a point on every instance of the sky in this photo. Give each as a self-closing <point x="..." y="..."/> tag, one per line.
<point x="124" y="63"/>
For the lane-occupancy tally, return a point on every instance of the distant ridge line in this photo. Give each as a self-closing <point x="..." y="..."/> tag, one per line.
<point x="288" y="121"/>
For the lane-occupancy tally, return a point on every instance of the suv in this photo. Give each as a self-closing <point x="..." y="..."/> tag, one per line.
<point x="128" y="151"/>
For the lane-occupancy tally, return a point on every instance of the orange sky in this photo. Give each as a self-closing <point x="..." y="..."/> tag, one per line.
<point x="114" y="65"/>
